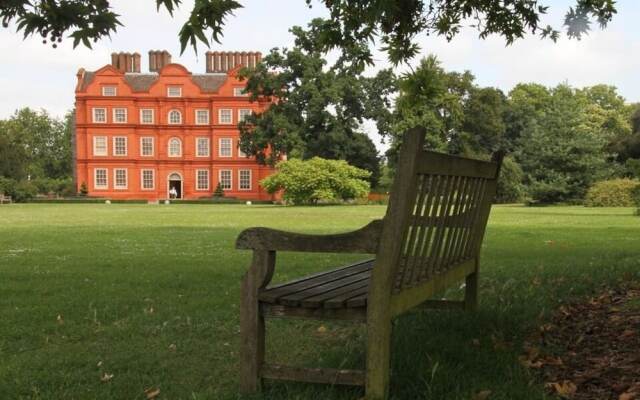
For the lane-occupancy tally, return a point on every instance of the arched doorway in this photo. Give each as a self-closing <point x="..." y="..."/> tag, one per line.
<point x="174" y="182"/>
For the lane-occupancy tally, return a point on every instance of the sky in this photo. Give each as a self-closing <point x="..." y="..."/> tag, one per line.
<point x="36" y="75"/>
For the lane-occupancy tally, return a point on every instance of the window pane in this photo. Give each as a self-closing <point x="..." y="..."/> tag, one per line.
<point x="109" y="91"/>
<point x="99" y="145"/>
<point x="147" y="146"/>
<point x="245" y="179"/>
<point x="243" y="114"/>
<point x="146" y="116"/>
<point x="202" y="117"/>
<point x="202" y="179"/>
<point x="175" y="117"/>
<point x="147" y="179"/>
<point x="101" y="178"/>
<point x="203" y="147"/>
<point x="175" y="147"/>
<point x="225" y="147"/>
<point x="225" y="116"/>
<point x="120" y="115"/>
<point x="120" y="146"/>
<point x="174" y="91"/>
<point x="120" y="180"/>
<point x="99" y="115"/>
<point x="225" y="179"/>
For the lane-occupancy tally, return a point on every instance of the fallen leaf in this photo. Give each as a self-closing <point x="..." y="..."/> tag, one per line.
<point x="173" y="347"/>
<point x="59" y="319"/>
<point x="152" y="393"/>
<point x="627" y="396"/>
<point x="482" y="395"/>
<point x="106" y="377"/>
<point x="322" y="329"/>
<point x="564" y="389"/>
<point x="99" y="364"/>
<point x="475" y="342"/>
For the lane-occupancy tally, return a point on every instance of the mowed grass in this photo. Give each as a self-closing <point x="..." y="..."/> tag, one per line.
<point x="149" y="294"/>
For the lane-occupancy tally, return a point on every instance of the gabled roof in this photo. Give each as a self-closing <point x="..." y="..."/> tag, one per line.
<point x="140" y="82"/>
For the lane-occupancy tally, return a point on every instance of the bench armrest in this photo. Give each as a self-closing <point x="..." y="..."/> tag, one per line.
<point x="364" y="240"/>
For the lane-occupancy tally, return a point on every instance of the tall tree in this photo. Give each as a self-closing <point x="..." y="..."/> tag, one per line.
<point x="483" y="125"/>
<point x="318" y="109"/>
<point x="395" y="23"/>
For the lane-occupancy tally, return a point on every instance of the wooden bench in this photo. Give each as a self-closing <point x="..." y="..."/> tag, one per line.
<point x="5" y="199"/>
<point x="428" y="241"/>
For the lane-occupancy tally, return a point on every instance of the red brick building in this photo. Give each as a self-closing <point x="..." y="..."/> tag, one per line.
<point x="138" y="135"/>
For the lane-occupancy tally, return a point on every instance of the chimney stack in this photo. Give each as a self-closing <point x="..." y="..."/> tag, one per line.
<point x="126" y="62"/>
<point x="158" y="59"/>
<point x="224" y="61"/>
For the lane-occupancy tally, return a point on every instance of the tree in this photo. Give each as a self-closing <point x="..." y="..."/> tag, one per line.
<point x="317" y="109"/>
<point x="483" y="124"/>
<point x="37" y="145"/>
<point x="395" y="24"/>
<point x="560" y="152"/>
<point x="317" y="179"/>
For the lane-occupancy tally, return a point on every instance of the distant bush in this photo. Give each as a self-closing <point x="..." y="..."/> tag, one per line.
<point x="510" y="187"/>
<point x="317" y="181"/>
<point x="612" y="193"/>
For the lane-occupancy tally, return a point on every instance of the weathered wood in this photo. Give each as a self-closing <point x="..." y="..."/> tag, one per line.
<point x="412" y="297"/>
<point x="350" y="377"/>
<point x="433" y="163"/>
<point x="345" y="314"/>
<point x="429" y="241"/>
<point x="252" y="329"/>
<point x="364" y="240"/>
<point x="274" y="293"/>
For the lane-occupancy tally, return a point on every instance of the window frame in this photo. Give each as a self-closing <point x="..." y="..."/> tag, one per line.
<point x="199" y="110"/>
<point x="115" y="146"/>
<point x="115" y="178"/>
<point x="174" y="110"/>
<point x="198" y="187"/>
<point x="198" y="139"/>
<point x="169" y="147"/>
<point x="239" y="91"/>
<point x="153" y="146"/>
<point x="93" y="115"/>
<point x="240" y="110"/>
<point x="220" y="147"/>
<point x="170" y="87"/>
<point x="240" y="171"/>
<point x="153" y="178"/>
<point x="115" y="112"/>
<point x="106" y="145"/>
<point x="230" y="116"/>
<point x="230" y="179"/>
<point x="115" y="90"/>
<point x="153" y="116"/>
<point x="106" y="179"/>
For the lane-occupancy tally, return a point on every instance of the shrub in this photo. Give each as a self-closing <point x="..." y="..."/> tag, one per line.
<point x="219" y="192"/>
<point x="83" y="189"/>
<point x="8" y="186"/>
<point x="317" y="180"/>
<point x="510" y="187"/>
<point x="612" y="193"/>
<point x="25" y="190"/>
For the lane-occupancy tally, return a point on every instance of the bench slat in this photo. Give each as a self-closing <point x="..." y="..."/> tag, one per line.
<point x="295" y="299"/>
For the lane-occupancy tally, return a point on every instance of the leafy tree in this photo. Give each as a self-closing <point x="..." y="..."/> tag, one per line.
<point x="219" y="192"/>
<point x="317" y="109"/>
<point x="560" y="152"/>
<point x="483" y="125"/>
<point x="431" y="97"/>
<point x="395" y="24"/>
<point x="317" y="179"/>
<point x="36" y="145"/>
<point x="510" y="188"/>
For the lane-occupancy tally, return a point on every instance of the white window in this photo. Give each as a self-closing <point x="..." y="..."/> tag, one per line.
<point x="225" y="116"/>
<point x="202" y="179"/>
<point x="243" y="113"/>
<point x="244" y="179"/>
<point x="109" y="90"/>
<point x="202" y="117"/>
<point x="202" y="147"/>
<point x="120" y="178"/>
<point x="146" y="146"/>
<point x="100" y="180"/>
<point x="239" y="91"/>
<point x="175" y="147"/>
<point x="99" y="115"/>
<point x="225" y="179"/>
<point x="120" y="146"/>
<point x="148" y="180"/>
<point x="175" y="117"/>
<point x="224" y="149"/>
<point x="174" y="91"/>
<point x="100" y="146"/>
<point x="120" y="115"/>
<point x="146" y="116"/>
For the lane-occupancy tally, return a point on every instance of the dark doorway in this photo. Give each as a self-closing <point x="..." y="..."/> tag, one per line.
<point x="175" y="186"/>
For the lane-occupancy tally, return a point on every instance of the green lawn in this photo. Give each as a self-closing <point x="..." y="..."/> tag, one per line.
<point x="150" y="295"/>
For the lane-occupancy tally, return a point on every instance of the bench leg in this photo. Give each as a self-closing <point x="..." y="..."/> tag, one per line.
<point x="378" y="361"/>
<point x="252" y="343"/>
<point x="252" y="326"/>
<point x="471" y="292"/>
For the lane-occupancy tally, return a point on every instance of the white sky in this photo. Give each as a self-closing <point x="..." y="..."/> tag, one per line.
<point x="38" y="76"/>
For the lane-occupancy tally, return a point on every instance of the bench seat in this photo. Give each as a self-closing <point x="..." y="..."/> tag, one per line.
<point x="345" y="287"/>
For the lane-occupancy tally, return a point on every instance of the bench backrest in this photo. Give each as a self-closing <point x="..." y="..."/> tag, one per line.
<point x="437" y="214"/>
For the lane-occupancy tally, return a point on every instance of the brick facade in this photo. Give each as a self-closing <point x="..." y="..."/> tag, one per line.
<point x="139" y="134"/>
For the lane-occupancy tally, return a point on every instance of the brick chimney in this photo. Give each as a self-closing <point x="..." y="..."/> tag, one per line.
<point x="126" y="62"/>
<point x="224" y="61"/>
<point x="158" y="59"/>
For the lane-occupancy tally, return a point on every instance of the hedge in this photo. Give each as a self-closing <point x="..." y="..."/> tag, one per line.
<point x="612" y="193"/>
